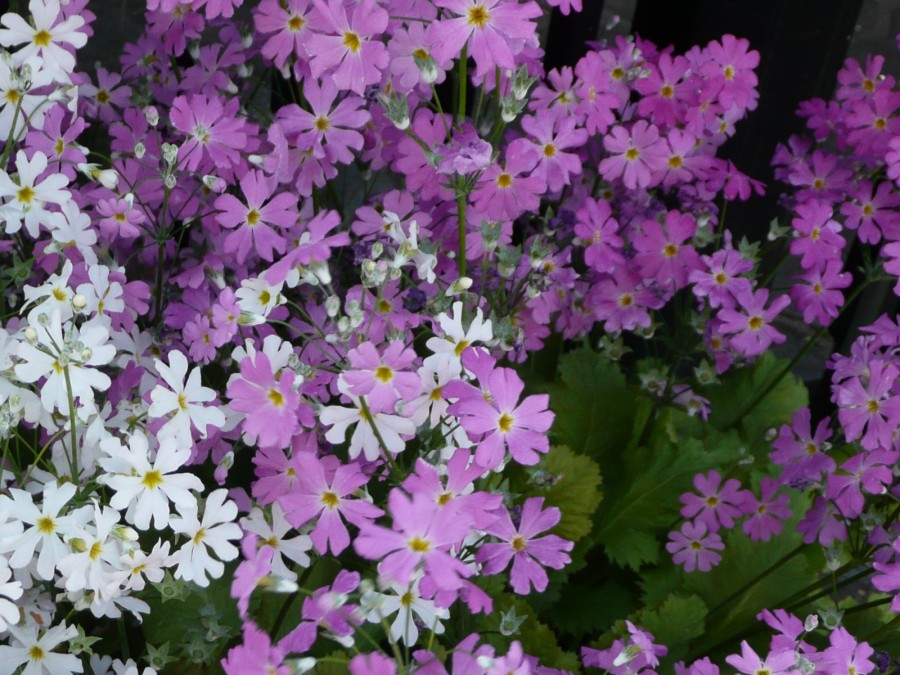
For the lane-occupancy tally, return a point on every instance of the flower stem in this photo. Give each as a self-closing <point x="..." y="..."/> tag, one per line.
<point x="750" y="584"/>
<point x="73" y="458"/>
<point x="461" y="232"/>
<point x="463" y="85"/>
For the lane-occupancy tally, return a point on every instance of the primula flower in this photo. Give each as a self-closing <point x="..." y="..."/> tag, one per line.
<point x="422" y="535"/>
<point x="888" y="578"/>
<point x="635" y="155"/>
<point x="873" y="211"/>
<point x="820" y="298"/>
<point x="272" y="408"/>
<point x="285" y="27"/>
<point x="500" y="421"/>
<point x="381" y="377"/>
<point x="214" y="131"/>
<point x="800" y="451"/>
<point x="46" y="38"/>
<point x="551" y="137"/>
<point x="730" y="71"/>
<point x="275" y="537"/>
<point x="721" y="280"/>
<point x="663" y="254"/>
<point x="33" y="648"/>
<point x="777" y="663"/>
<point x="717" y="505"/>
<point x="766" y="512"/>
<point x="343" y="47"/>
<point x="694" y="547"/>
<point x="256" y="655"/>
<point x="508" y="190"/>
<point x="529" y="553"/>
<point x="253" y="223"/>
<point x="324" y="492"/>
<point x="411" y="608"/>
<point x="870" y="405"/>
<point x="26" y="198"/>
<point x="10" y="591"/>
<point x="144" y="488"/>
<point x="622" y="301"/>
<point x="817" y="235"/>
<point x="598" y="229"/>
<point x="867" y="470"/>
<point x="494" y="30"/>
<point x="214" y="531"/>
<point x="183" y="399"/>
<point x="750" y="329"/>
<point x="846" y="655"/>
<point x="449" y="348"/>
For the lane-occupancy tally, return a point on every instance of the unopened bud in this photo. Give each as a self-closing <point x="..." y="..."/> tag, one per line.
<point x="332" y="306"/>
<point x="30" y="335"/>
<point x="152" y="115"/>
<point x="214" y="183"/>
<point x="139" y="150"/>
<point x="301" y="665"/>
<point x="461" y="285"/>
<point x="811" y="623"/>
<point x="125" y="533"/>
<point x="169" y="152"/>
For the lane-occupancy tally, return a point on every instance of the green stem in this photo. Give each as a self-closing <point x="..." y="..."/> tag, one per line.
<point x="463" y="85"/>
<point x="371" y="421"/>
<point x="750" y="584"/>
<point x="73" y="458"/>
<point x="461" y="231"/>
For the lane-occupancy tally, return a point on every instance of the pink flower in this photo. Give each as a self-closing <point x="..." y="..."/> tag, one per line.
<point x="800" y="451"/>
<point x="255" y="655"/>
<point x="422" y="535"/>
<point x="495" y="30"/>
<point x="272" y="407"/>
<point x="873" y="212"/>
<point x="717" y="505"/>
<point x="846" y="655"/>
<point x="506" y="191"/>
<point x="214" y="131"/>
<point x="662" y="253"/>
<point x="324" y="492"/>
<point x="778" y="663"/>
<point x="253" y="222"/>
<point x="622" y="301"/>
<point x="766" y="512"/>
<point x="551" y="137"/>
<point x="500" y="421"/>
<point x="867" y="470"/>
<point x="598" y="229"/>
<point x="342" y="45"/>
<point x="870" y="405"/>
<point x="819" y="239"/>
<point x="718" y="279"/>
<point x="730" y="71"/>
<point x="285" y="25"/>
<point x="695" y="548"/>
<point x="820" y="297"/>
<point x="381" y="377"/>
<point x="529" y="554"/>
<point x="750" y="329"/>
<point x="635" y="155"/>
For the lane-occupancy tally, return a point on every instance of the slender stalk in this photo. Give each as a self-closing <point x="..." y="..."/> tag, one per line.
<point x="461" y="199"/>
<point x="755" y="580"/>
<point x="371" y="421"/>
<point x="463" y="85"/>
<point x="73" y="458"/>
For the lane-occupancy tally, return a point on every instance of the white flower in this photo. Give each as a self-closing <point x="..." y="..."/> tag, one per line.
<point x="16" y="100"/>
<point x="139" y="567"/>
<point x="212" y="532"/>
<point x="449" y="349"/>
<point x="406" y="602"/>
<point x="391" y="428"/>
<point x="36" y="653"/>
<point x="94" y="556"/>
<point x="44" y="38"/>
<point x="47" y="527"/>
<point x="102" y="295"/>
<point x="143" y="487"/>
<point x="27" y="197"/>
<point x="183" y="400"/>
<point x="273" y="536"/>
<point x="54" y="354"/>
<point x="9" y="592"/>
<point x="53" y="294"/>
<point x="256" y="296"/>
<point x="73" y="231"/>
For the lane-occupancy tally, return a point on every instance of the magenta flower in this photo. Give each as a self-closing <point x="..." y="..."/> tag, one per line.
<point x="819" y="239"/>
<point x="253" y="222"/>
<point x="873" y="211"/>
<point x="730" y="72"/>
<point x="342" y="44"/>
<point x="846" y="655"/>
<point x="622" y="301"/>
<point x="529" y="554"/>
<point x="255" y="655"/>
<point x="869" y="471"/>
<point x="285" y="27"/>
<point x="819" y="297"/>
<point x="766" y="512"/>
<point x="717" y="505"/>
<point x="508" y="190"/>
<point x="330" y="131"/>
<point x="663" y="255"/>
<point x="821" y="524"/>
<point x="500" y="421"/>
<point x="599" y="90"/>
<point x="749" y="662"/>
<point x="495" y="30"/>
<point x="273" y="412"/>
<point x="551" y="137"/>
<point x="870" y="406"/>
<point x="635" y="155"/>
<point x="326" y="607"/>
<point x="422" y="535"/>
<point x="598" y="229"/>
<point x="214" y="131"/>
<point x="888" y="579"/>
<point x="800" y="452"/>
<point x="750" y="329"/>
<point x="382" y="378"/>
<point x="665" y="90"/>
<point x="324" y="493"/>
<point x="718" y="279"/>
<point x="695" y="548"/>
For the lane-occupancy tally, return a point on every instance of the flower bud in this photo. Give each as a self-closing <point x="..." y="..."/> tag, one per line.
<point x="30" y="335"/>
<point x="152" y="115"/>
<point x="139" y="150"/>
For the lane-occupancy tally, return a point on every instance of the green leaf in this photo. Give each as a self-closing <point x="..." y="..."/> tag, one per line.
<point x="593" y="404"/>
<point x="570" y="482"/>
<point x="675" y="622"/>
<point x="730" y="398"/>
<point x="584" y="612"/>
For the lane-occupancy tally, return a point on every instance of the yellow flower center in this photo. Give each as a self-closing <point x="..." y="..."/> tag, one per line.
<point x="201" y="533"/>
<point x="351" y="41"/>
<point x="632" y="154"/>
<point x="276" y="397"/>
<point x="729" y="73"/>
<point x="407" y="599"/>
<point x="675" y="162"/>
<point x="253" y="217"/>
<point x="549" y="150"/>
<point x="504" y="181"/>
<point x="322" y="123"/>
<point x="867" y="210"/>
<point x="295" y="23"/>
<point x="505" y="423"/>
<point x="46" y="525"/>
<point x="384" y="306"/>
<point x="35" y="653"/>
<point x="265" y="297"/>
<point x="670" y="250"/>
<point x="444" y="498"/>
<point x="880" y="123"/>
<point x="667" y="91"/>
<point x="721" y="278"/>
<point x="182" y="402"/>
<point x="461" y="347"/>
<point x="478" y="16"/>
<point x="625" y="300"/>
<point x="617" y="73"/>
<point x="419" y="545"/>
<point x="330" y="499"/>
<point x="518" y="543"/>
<point x="96" y="550"/>
<point x="103" y="97"/>
<point x="436" y="393"/>
<point x="42" y="38"/>
<point x="872" y="406"/>
<point x="25" y="194"/>
<point x="384" y="374"/>
<point x="151" y="479"/>
<point x="755" y="323"/>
